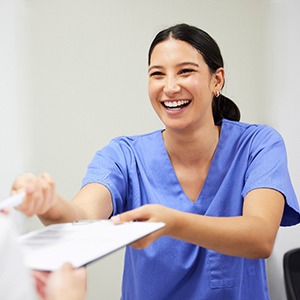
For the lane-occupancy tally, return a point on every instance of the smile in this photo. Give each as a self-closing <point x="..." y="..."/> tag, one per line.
<point x="175" y="105"/>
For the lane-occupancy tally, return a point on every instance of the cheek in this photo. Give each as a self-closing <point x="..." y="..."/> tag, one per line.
<point x="200" y="87"/>
<point x="153" y="91"/>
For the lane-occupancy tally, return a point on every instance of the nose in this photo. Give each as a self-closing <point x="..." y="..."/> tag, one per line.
<point x="171" y="86"/>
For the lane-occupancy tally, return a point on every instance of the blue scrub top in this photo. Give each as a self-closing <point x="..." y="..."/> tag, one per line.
<point x="137" y="171"/>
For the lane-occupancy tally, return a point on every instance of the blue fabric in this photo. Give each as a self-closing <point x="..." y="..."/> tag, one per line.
<point x="137" y="171"/>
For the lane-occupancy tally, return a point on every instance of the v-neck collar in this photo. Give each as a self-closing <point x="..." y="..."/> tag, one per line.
<point x="208" y="190"/>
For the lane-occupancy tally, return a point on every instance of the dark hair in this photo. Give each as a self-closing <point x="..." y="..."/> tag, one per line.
<point x="222" y="107"/>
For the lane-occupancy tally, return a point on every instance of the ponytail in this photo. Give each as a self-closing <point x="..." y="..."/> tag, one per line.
<point x="224" y="108"/>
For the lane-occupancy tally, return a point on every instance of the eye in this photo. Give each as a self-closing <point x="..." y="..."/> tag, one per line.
<point x="186" y="71"/>
<point x="156" y="74"/>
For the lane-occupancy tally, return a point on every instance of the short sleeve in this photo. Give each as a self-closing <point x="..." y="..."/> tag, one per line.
<point x="268" y="169"/>
<point x="108" y="167"/>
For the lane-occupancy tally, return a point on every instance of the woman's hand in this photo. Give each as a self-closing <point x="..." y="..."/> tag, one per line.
<point x="40" y="193"/>
<point x="151" y="213"/>
<point x="251" y="235"/>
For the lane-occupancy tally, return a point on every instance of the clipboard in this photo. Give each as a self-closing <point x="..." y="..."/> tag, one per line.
<point x="79" y="243"/>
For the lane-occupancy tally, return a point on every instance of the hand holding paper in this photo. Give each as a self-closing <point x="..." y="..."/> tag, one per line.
<point x="149" y="213"/>
<point x="40" y="193"/>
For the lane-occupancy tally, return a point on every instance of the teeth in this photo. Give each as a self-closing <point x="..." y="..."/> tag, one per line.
<point x="175" y="103"/>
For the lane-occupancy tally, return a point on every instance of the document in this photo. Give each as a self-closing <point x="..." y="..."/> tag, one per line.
<point x="79" y="243"/>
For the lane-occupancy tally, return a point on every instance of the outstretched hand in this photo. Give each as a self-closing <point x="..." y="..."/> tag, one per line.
<point x="150" y="213"/>
<point x="40" y="193"/>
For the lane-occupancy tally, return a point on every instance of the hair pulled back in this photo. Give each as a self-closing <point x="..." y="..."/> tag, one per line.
<point x="222" y="107"/>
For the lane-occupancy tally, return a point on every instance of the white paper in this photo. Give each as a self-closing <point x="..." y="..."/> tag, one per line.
<point x="79" y="243"/>
<point x="12" y="201"/>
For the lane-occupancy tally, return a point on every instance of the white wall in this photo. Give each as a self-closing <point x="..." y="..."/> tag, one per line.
<point x="14" y="89"/>
<point x="88" y="65"/>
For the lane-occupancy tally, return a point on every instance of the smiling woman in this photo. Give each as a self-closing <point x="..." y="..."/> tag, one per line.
<point x="197" y="40"/>
<point x="221" y="186"/>
<point x="179" y="75"/>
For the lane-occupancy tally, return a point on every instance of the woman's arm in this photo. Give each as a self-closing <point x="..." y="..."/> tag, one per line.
<point x="92" y="202"/>
<point x="251" y="235"/>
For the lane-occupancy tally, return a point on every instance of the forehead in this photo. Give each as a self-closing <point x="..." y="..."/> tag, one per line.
<point x="173" y="50"/>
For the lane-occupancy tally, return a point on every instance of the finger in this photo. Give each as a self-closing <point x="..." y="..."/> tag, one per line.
<point x="40" y="276"/>
<point x="147" y="240"/>
<point x="29" y="187"/>
<point x="21" y="181"/>
<point x="138" y="214"/>
<point x="47" y="187"/>
<point x="4" y="211"/>
<point x="81" y="274"/>
<point x="67" y="267"/>
<point x="40" y="279"/>
<point x="32" y="201"/>
<point x="47" y="181"/>
<point x="39" y="194"/>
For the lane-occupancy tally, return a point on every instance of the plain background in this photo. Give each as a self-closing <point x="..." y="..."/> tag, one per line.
<point x="73" y="75"/>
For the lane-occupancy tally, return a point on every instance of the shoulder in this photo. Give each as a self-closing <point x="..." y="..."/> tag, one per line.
<point x="146" y="138"/>
<point x="132" y="145"/>
<point x="257" y="132"/>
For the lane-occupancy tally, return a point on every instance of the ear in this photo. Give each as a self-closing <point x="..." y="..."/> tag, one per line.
<point x="218" y="80"/>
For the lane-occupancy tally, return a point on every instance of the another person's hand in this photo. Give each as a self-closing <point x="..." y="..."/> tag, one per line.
<point x="4" y="211"/>
<point x="40" y="193"/>
<point x="40" y="281"/>
<point x="66" y="283"/>
<point x="151" y="213"/>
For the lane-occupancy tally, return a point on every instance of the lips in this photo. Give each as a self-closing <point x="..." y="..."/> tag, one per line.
<point x="176" y="105"/>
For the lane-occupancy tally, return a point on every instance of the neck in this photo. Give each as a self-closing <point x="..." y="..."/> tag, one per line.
<point x="196" y="147"/>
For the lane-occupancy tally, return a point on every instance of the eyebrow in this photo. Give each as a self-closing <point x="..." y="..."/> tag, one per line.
<point x="179" y="65"/>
